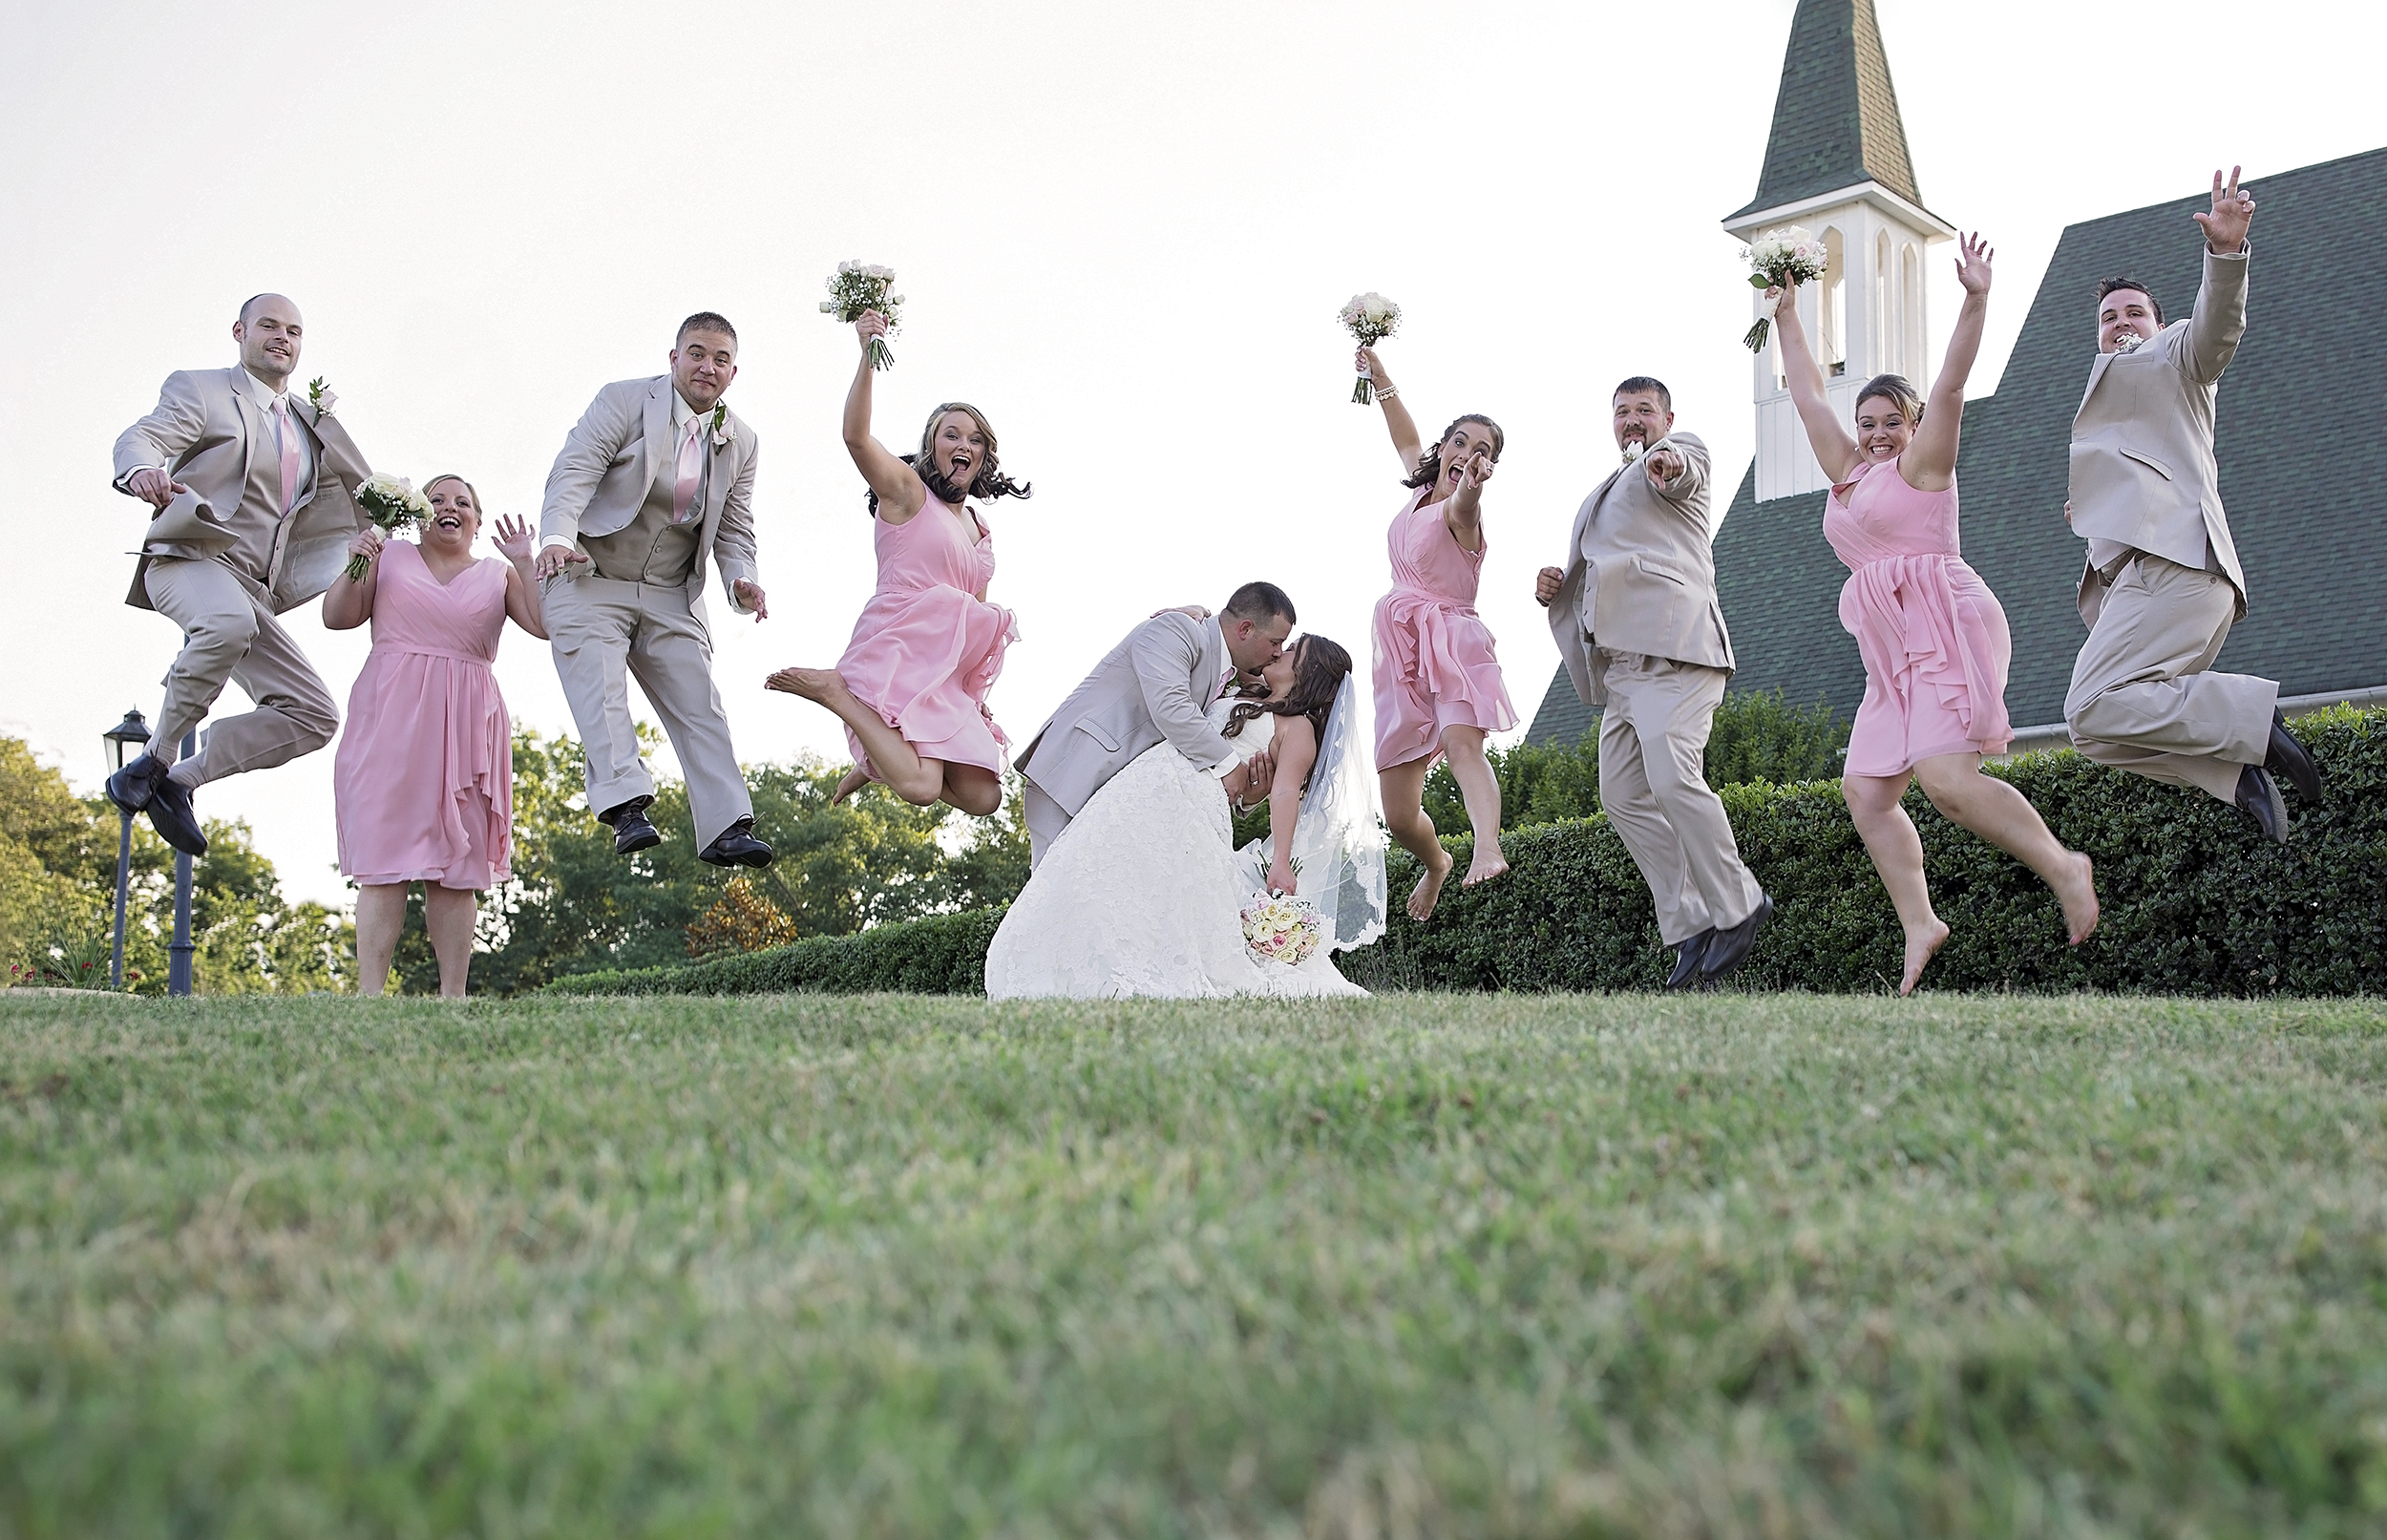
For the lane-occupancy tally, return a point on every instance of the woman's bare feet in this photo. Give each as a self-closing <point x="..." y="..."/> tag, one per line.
<point x="2079" y="896"/>
<point x="1485" y="866"/>
<point x="1920" y="945"/>
<point x="855" y="780"/>
<point x="1429" y="890"/>
<point x="811" y="683"/>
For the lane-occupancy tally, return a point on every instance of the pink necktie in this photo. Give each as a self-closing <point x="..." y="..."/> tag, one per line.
<point x="691" y="467"/>
<point x="286" y="434"/>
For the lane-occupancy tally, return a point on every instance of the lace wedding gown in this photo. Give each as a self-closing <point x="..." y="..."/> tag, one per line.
<point x="1143" y="894"/>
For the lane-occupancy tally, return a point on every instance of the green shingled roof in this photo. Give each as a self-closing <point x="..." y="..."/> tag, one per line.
<point x="2301" y="439"/>
<point x="1836" y="114"/>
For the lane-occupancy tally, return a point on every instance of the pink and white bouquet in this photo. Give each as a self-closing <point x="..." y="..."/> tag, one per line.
<point x="858" y="288"/>
<point x="392" y="503"/>
<point x="1278" y="927"/>
<point x="1776" y="257"/>
<point x="1371" y="318"/>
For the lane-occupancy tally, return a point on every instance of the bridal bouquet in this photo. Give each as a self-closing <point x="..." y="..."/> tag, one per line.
<point x="861" y="287"/>
<point x="1774" y="259"/>
<point x="1281" y="928"/>
<point x="1371" y="318"/>
<point x="392" y="503"/>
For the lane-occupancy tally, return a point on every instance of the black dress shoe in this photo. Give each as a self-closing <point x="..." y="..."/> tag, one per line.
<point x="632" y="831"/>
<point x="736" y="846"/>
<point x="2286" y="760"/>
<point x="130" y="787"/>
<point x="2259" y="798"/>
<point x="1731" y="947"/>
<point x="1686" y="962"/>
<point x="170" y="814"/>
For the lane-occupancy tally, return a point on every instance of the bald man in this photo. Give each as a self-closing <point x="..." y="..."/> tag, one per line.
<point x="252" y="497"/>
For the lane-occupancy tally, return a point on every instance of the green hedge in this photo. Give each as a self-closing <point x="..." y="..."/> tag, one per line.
<point x="2194" y="902"/>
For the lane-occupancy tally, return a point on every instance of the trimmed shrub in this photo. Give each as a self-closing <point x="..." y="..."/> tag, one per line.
<point x="2194" y="901"/>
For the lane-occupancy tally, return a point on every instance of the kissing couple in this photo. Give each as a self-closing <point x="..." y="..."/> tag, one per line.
<point x="1132" y="786"/>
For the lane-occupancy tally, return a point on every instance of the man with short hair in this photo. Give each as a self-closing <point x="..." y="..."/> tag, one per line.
<point x="1156" y="686"/>
<point x="2161" y="585"/>
<point x="655" y="481"/>
<point x="1634" y="612"/>
<point x="252" y="497"/>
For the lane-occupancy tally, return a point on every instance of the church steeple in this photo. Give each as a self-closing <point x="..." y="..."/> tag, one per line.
<point x="1836" y="163"/>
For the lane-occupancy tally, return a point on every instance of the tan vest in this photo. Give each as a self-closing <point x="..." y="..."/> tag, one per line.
<point x="651" y="549"/>
<point x="262" y="525"/>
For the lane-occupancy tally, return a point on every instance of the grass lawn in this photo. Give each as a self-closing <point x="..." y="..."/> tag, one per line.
<point x="1425" y="1265"/>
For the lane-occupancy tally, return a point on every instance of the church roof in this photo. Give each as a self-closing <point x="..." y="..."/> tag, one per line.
<point x="2301" y="437"/>
<point x="1836" y="120"/>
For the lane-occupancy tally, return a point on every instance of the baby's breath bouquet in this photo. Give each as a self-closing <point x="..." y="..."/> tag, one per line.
<point x="392" y="503"/>
<point x="1775" y="257"/>
<point x="1371" y="318"/>
<point x="1278" y="927"/>
<point x="862" y="286"/>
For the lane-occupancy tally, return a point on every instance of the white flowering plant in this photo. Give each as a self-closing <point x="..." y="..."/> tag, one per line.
<point x="858" y="288"/>
<point x="1278" y="927"/>
<point x="392" y="503"/>
<point x="1775" y="257"/>
<point x="1371" y="318"/>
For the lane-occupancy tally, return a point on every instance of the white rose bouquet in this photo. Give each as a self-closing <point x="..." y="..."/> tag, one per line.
<point x="1371" y="318"/>
<point x="392" y="503"/>
<point x="1278" y="927"/>
<point x="862" y="286"/>
<point x="1775" y="257"/>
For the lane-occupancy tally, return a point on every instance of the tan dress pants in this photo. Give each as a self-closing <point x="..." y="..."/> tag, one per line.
<point x="1652" y="786"/>
<point x="2142" y="697"/>
<point x="230" y="633"/>
<point x="606" y="633"/>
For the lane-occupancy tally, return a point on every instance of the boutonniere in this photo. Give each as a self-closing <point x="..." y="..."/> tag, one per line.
<point x="320" y="396"/>
<point x="722" y="430"/>
<point x="1635" y="451"/>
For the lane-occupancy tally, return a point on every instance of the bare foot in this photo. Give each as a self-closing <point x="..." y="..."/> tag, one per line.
<point x="2079" y="898"/>
<point x="855" y="780"/>
<point x="1484" y="868"/>
<point x="1429" y="890"/>
<point x="811" y="683"/>
<point x="1920" y="945"/>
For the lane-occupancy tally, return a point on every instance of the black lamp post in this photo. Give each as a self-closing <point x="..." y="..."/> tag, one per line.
<point x="178" y="955"/>
<point x="125" y="738"/>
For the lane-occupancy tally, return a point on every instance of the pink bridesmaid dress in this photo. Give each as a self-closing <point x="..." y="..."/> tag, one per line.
<point x="927" y="648"/>
<point x="422" y="781"/>
<point x="1434" y="661"/>
<point x="1932" y="635"/>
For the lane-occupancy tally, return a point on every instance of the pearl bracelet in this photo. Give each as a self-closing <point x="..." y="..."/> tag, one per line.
<point x="1385" y="393"/>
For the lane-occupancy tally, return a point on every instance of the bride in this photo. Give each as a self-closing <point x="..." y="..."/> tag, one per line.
<point x="1143" y="893"/>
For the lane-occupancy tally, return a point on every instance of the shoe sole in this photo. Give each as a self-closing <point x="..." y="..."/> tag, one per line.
<point x="633" y="845"/>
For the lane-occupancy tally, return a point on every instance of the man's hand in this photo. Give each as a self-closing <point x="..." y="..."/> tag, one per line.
<point x="2067" y="510"/>
<point x="750" y="595"/>
<point x="1662" y="465"/>
<point x="153" y="487"/>
<point x="2233" y="211"/>
<point x="551" y="557"/>
<point x="1546" y="586"/>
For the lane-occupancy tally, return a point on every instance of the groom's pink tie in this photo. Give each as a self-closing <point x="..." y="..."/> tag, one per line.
<point x="286" y="435"/>
<point x="692" y="469"/>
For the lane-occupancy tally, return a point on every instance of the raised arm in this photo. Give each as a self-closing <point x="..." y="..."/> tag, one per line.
<point x="1464" y="517"/>
<point x="2219" y="320"/>
<point x="1834" y="446"/>
<point x="901" y="493"/>
<point x="1931" y="459"/>
<point x="1396" y="419"/>
<point x="523" y="602"/>
<point x="1295" y="752"/>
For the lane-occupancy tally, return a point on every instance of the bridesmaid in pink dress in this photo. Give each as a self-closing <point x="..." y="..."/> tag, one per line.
<point x="912" y="687"/>
<point x="1438" y="687"/>
<point x="1931" y="637"/>
<point x="423" y="780"/>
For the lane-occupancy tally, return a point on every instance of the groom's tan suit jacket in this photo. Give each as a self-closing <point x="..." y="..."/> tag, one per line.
<point x="1156" y="685"/>
<point x="209" y="435"/>
<point x="2143" y="471"/>
<point x="1641" y="573"/>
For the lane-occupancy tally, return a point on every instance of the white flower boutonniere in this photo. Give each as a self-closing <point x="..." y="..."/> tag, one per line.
<point x="1635" y="451"/>
<point x="722" y="430"/>
<point x="2130" y="343"/>
<point x="320" y="396"/>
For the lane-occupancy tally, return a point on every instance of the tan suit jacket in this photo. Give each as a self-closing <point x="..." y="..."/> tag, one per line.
<point x="2143" y="471"/>
<point x="613" y="456"/>
<point x="206" y="432"/>
<point x="1645" y="560"/>
<point x="1155" y="686"/>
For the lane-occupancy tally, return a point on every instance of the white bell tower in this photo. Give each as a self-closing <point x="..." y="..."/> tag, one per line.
<point x="1836" y="164"/>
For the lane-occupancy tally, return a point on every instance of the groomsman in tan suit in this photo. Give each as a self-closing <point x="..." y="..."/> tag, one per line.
<point x="252" y="496"/>
<point x="2163" y="585"/>
<point x="656" y="482"/>
<point x="1635" y="615"/>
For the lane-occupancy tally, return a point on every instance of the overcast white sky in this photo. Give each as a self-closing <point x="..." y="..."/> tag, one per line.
<point x="1123" y="230"/>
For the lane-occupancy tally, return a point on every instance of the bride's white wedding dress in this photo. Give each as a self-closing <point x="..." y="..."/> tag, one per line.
<point x="1143" y="894"/>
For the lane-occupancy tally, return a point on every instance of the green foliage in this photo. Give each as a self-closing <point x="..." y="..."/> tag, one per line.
<point x="941" y="954"/>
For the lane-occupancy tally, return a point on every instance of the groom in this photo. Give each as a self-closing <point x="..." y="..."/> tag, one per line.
<point x="1155" y="686"/>
<point x="252" y="498"/>
<point x="656" y="479"/>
